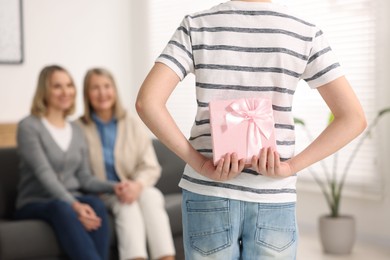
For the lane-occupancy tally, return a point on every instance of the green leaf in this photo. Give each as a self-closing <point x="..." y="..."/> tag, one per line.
<point x="383" y="111"/>
<point x="331" y="118"/>
<point x="299" y="121"/>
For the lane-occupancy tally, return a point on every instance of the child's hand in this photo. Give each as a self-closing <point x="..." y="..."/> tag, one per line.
<point x="227" y="168"/>
<point x="268" y="164"/>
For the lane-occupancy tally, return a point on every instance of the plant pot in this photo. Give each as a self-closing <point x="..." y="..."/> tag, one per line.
<point x="337" y="234"/>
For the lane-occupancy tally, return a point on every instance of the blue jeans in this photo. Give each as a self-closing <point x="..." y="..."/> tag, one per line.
<point x="221" y="228"/>
<point x="73" y="238"/>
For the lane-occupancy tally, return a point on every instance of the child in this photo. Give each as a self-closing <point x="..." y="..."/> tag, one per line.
<point x="242" y="49"/>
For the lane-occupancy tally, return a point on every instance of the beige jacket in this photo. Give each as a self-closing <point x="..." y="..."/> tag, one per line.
<point x="135" y="158"/>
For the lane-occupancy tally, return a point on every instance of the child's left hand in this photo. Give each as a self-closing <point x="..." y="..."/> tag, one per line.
<point x="228" y="167"/>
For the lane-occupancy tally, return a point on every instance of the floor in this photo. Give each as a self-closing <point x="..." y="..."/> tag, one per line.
<point x="310" y="249"/>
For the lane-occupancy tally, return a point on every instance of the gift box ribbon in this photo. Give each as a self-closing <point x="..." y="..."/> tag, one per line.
<point x="259" y="115"/>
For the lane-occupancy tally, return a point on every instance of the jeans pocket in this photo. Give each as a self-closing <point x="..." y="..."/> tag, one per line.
<point x="209" y="225"/>
<point x="276" y="226"/>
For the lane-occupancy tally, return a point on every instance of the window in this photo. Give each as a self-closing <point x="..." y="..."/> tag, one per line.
<point x="351" y="28"/>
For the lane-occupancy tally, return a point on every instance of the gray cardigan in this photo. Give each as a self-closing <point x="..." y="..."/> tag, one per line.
<point x="47" y="172"/>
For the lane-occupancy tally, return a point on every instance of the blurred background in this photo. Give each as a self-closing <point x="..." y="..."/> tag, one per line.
<point x="126" y="36"/>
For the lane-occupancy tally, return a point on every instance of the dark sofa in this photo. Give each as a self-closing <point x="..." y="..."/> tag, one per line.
<point x="35" y="239"/>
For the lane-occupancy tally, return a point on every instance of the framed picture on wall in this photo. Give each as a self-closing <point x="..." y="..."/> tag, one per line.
<point x="11" y="32"/>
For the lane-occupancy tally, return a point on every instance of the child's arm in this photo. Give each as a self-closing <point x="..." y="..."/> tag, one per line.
<point x="349" y="121"/>
<point x="151" y="107"/>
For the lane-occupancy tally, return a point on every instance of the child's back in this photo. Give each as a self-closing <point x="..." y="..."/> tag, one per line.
<point x="246" y="49"/>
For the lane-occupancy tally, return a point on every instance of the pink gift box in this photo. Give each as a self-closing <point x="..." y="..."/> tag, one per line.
<point x="242" y="126"/>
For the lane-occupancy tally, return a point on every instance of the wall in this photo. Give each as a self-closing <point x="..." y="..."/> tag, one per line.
<point x="75" y="34"/>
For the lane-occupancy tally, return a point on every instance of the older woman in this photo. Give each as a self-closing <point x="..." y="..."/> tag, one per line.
<point x="55" y="173"/>
<point x="120" y="150"/>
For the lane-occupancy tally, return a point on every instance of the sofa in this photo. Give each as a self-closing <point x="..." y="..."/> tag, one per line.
<point x="33" y="239"/>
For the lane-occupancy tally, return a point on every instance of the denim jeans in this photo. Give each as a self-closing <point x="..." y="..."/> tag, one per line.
<point x="73" y="238"/>
<point x="221" y="228"/>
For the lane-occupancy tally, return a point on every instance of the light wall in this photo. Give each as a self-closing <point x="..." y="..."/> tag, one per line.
<point x="75" y="34"/>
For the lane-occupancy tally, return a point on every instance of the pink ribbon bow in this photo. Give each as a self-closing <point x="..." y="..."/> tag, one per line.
<point x="259" y="115"/>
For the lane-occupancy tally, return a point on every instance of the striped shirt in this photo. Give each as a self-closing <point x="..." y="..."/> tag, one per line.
<point x="241" y="50"/>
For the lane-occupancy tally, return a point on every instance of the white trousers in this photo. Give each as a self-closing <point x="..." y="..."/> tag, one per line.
<point x="140" y="224"/>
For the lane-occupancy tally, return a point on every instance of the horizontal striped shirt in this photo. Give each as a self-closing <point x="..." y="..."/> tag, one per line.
<point x="242" y="50"/>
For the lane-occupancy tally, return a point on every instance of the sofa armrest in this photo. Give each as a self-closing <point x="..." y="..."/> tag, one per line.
<point x="9" y="177"/>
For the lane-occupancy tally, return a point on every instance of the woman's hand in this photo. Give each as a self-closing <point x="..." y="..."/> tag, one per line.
<point x="87" y="216"/>
<point x="227" y="168"/>
<point x="268" y="164"/>
<point x="128" y="191"/>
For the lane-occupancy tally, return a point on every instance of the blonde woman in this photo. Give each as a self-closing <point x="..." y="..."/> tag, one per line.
<point x="55" y="173"/>
<point x="121" y="150"/>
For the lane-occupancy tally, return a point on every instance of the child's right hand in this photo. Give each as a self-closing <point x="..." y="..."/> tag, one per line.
<point x="227" y="168"/>
<point x="268" y="164"/>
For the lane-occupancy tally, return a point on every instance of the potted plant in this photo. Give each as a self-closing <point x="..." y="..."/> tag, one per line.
<point x="337" y="232"/>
